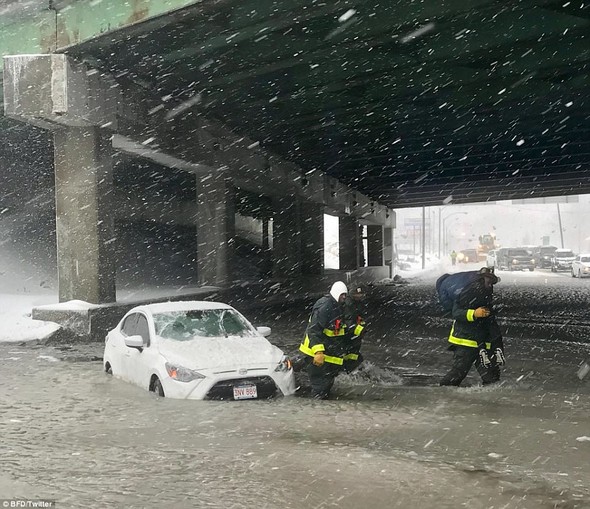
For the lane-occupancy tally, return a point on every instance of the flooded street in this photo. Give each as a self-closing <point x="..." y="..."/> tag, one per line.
<point x="390" y="438"/>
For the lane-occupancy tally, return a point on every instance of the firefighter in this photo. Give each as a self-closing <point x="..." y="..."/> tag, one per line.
<point x="475" y="335"/>
<point x="323" y="342"/>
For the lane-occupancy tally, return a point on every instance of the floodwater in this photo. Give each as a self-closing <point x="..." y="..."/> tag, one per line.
<point x="389" y="438"/>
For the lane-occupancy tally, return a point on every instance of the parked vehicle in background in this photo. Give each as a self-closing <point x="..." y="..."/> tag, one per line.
<point x="514" y="258"/>
<point x="467" y="256"/>
<point x="543" y="255"/>
<point x="562" y="260"/>
<point x="491" y="258"/>
<point x="581" y="265"/>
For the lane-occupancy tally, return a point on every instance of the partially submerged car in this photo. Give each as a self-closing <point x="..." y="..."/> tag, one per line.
<point x="197" y="350"/>
<point x="562" y="260"/>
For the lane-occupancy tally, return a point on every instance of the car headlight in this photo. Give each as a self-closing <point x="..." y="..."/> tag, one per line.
<point x="515" y="261"/>
<point x="284" y="365"/>
<point x="182" y="374"/>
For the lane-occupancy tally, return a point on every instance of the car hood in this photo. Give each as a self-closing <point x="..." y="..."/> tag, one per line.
<point x="211" y="354"/>
<point x="565" y="258"/>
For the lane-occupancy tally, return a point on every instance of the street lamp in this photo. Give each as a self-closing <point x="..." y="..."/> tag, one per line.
<point x="444" y="228"/>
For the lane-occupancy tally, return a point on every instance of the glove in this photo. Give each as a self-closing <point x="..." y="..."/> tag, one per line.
<point x="500" y="359"/>
<point x="484" y="358"/>
<point x="318" y="359"/>
<point x="481" y="313"/>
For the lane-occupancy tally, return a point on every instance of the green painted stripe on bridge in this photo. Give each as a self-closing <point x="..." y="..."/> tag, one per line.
<point x="77" y="21"/>
<point x="34" y="34"/>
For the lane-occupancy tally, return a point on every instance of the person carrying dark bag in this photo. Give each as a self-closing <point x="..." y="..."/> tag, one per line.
<point x="475" y="336"/>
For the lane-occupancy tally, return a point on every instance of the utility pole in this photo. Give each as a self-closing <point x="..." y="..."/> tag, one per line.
<point x="560" y="228"/>
<point x="439" y="231"/>
<point x="423" y="237"/>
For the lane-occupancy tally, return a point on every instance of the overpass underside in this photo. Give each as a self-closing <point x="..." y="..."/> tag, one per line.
<point x="285" y="110"/>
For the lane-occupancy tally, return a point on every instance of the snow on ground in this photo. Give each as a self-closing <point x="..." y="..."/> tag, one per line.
<point x="16" y="323"/>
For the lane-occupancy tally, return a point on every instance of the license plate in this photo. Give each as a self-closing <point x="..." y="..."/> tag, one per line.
<point x="245" y="392"/>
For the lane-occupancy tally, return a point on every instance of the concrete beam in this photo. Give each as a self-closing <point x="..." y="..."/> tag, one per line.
<point x="128" y="146"/>
<point x="53" y="90"/>
<point x="259" y="171"/>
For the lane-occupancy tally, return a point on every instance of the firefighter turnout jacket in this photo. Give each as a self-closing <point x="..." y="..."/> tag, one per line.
<point x="468" y="330"/>
<point x="326" y="330"/>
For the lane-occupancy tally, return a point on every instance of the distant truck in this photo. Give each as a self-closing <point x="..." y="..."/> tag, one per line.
<point x="487" y="243"/>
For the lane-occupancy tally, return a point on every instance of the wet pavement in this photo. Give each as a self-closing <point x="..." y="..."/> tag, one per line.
<point x="390" y="438"/>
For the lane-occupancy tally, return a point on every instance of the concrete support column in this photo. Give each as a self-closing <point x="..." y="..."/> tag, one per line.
<point x="286" y="237"/>
<point x="215" y="228"/>
<point x="266" y="250"/>
<point x="349" y="242"/>
<point x="388" y="249"/>
<point x="84" y="215"/>
<point x="374" y="245"/>
<point x="312" y="238"/>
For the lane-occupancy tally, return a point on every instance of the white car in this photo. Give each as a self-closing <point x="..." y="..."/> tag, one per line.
<point x="562" y="260"/>
<point x="197" y="350"/>
<point x="581" y="266"/>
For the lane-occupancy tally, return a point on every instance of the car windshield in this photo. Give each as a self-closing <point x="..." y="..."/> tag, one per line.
<point x="201" y="323"/>
<point x="564" y="254"/>
<point x="547" y="250"/>
<point x="518" y="252"/>
<point x="585" y="259"/>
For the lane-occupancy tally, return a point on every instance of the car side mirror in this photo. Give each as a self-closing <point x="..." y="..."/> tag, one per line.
<point x="264" y="331"/>
<point x="134" y="342"/>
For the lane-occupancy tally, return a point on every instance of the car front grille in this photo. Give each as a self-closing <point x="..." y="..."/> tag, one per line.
<point x="265" y="387"/>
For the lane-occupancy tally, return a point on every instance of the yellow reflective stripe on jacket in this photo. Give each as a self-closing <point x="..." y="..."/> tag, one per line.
<point x="358" y="330"/>
<point x="470" y="315"/>
<point x="465" y="342"/>
<point x="351" y="357"/>
<point x="311" y="351"/>
<point x="330" y="333"/>
<point x="334" y="360"/>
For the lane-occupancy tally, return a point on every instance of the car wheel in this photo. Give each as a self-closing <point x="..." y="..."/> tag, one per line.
<point x="108" y="369"/>
<point x="573" y="273"/>
<point x="157" y="387"/>
<point x="580" y="274"/>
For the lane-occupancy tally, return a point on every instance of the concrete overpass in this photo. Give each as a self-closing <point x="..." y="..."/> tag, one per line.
<point x="284" y="111"/>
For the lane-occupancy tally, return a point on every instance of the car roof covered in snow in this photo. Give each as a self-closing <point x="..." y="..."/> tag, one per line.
<point x="187" y="305"/>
